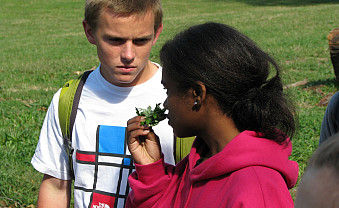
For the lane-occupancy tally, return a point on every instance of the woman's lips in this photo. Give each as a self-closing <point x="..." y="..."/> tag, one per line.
<point x="169" y="120"/>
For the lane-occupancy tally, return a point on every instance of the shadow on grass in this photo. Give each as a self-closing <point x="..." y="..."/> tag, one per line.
<point x="285" y="2"/>
<point x="328" y="82"/>
<point x="317" y="87"/>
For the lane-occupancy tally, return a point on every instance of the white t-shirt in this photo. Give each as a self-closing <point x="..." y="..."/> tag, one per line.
<point x="101" y="159"/>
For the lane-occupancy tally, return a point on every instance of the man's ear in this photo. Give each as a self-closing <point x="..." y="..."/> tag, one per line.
<point x="89" y="32"/>
<point x="157" y="33"/>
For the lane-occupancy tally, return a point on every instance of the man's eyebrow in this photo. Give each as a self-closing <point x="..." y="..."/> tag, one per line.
<point x="113" y="37"/>
<point x="144" y="37"/>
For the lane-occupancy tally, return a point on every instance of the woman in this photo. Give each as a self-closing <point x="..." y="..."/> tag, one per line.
<point x="219" y="89"/>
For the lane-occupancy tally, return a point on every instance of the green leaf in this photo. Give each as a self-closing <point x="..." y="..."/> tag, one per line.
<point x="153" y="117"/>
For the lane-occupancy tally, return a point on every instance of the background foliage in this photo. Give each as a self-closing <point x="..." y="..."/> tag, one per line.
<point x="43" y="45"/>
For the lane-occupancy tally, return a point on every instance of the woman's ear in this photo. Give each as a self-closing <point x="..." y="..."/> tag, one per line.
<point x="199" y="95"/>
<point x="199" y="90"/>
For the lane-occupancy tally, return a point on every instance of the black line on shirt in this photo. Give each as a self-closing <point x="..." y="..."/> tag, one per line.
<point x="99" y="192"/>
<point x="103" y="154"/>
<point x="96" y="159"/>
<point x="96" y="166"/>
<point x="106" y="164"/>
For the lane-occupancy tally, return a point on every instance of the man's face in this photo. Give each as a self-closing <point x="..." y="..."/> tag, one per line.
<point x="124" y="44"/>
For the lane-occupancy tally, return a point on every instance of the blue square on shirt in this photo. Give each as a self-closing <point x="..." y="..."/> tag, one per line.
<point x="112" y="139"/>
<point x="127" y="161"/>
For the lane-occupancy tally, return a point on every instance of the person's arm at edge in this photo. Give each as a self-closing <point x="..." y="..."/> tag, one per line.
<point x="54" y="192"/>
<point x="149" y="183"/>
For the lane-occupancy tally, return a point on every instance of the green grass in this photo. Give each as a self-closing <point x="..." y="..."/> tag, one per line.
<point x="43" y="45"/>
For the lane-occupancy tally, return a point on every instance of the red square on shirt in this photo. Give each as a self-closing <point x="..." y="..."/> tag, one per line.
<point x="102" y="201"/>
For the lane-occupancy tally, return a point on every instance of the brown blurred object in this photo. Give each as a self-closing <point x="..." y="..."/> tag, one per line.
<point x="333" y="42"/>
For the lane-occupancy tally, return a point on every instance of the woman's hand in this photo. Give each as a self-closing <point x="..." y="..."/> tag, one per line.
<point x="143" y="144"/>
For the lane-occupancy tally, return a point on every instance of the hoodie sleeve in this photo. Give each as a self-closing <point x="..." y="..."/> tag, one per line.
<point x="149" y="183"/>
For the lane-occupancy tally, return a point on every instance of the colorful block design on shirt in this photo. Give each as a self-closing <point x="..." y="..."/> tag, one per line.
<point x="112" y="166"/>
<point x="102" y="201"/>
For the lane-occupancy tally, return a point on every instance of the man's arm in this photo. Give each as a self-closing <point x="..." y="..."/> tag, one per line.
<point x="54" y="192"/>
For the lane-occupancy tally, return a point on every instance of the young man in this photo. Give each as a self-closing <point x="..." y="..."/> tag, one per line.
<point x="123" y="32"/>
<point x="319" y="186"/>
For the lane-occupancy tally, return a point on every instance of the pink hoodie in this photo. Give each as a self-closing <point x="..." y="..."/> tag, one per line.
<point x="249" y="172"/>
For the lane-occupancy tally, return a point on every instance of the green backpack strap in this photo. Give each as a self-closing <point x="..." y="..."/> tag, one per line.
<point x="67" y="110"/>
<point x="182" y="147"/>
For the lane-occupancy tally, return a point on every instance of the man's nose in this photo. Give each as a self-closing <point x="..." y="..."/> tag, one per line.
<point x="128" y="53"/>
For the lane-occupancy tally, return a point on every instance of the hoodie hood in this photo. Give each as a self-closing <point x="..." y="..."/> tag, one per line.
<point x="245" y="150"/>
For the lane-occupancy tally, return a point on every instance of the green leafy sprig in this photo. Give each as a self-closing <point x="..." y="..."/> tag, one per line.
<point x="152" y="117"/>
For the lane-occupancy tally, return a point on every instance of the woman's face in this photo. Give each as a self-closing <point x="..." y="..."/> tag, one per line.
<point x="179" y="105"/>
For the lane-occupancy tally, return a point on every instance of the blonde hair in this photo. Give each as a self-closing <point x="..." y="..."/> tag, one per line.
<point x="93" y="8"/>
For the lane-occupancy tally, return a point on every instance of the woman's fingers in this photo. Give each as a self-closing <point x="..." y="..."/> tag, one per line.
<point x="143" y="144"/>
<point x="136" y="134"/>
<point x="135" y="129"/>
<point x="134" y="123"/>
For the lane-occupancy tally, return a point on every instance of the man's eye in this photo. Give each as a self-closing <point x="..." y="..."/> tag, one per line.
<point x="142" y="41"/>
<point x="116" y="41"/>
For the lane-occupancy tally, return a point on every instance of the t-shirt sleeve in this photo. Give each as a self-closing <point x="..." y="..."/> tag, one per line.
<point x="50" y="156"/>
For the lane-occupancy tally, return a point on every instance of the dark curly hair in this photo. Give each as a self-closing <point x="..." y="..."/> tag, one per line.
<point x="236" y="72"/>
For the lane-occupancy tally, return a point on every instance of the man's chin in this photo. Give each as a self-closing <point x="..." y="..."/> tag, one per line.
<point x="124" y="82"/>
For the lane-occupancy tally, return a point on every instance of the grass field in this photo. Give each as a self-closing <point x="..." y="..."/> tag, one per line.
<point x="43" y="45"/>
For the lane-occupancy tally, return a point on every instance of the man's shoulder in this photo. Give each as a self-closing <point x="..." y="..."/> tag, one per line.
<point x="157" y="64"/>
